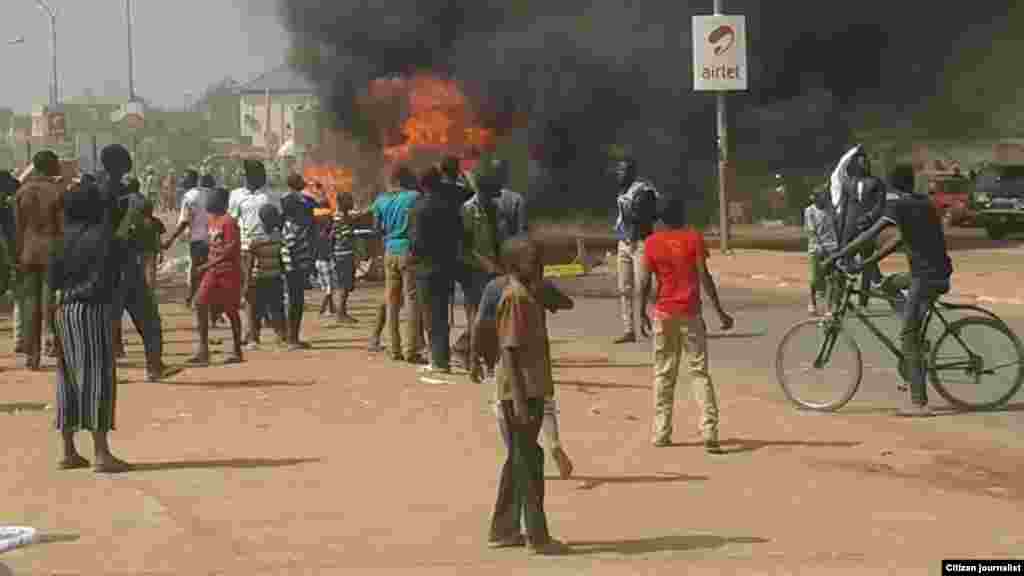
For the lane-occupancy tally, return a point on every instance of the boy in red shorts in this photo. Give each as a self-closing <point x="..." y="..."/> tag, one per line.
<point x="221" y="284"/>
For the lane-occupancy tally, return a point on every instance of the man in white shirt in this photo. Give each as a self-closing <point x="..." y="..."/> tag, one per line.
<point x="193" y="218"/>
<point x="245" y="206"/>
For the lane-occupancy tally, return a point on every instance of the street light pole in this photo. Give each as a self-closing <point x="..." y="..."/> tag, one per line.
<point x="723" y="159"/>
<point x="131" y="51"/>
<point x="54" y="90"/>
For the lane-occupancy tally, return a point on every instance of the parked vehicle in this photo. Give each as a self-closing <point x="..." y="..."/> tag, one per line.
<point x="999" y="199"/>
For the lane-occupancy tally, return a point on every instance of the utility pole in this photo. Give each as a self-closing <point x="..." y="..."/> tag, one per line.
<point x="52" y="14"/>
<point x="131" y="51"/>
<point x="723" y="159"/>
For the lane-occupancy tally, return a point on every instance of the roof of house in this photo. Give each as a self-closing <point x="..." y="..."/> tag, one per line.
<point x="282" y="80"/>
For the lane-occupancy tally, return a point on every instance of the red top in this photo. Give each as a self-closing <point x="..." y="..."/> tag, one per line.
<point x="672" y="256"/>
<point x="222" y="282"/>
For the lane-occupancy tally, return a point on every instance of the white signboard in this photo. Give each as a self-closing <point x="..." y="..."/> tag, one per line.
<point x="719" y="53"/>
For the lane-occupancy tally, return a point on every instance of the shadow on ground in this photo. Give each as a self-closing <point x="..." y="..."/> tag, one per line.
<point x="54" y="538"/>
<point x="571" y="363"/>
<point x="738" y="445"/>
<point x="736" y="335"/>
<point x="943" y="411"/>
<point x="235" y="385"/>
<point x="12" y="407"/>
<point x="584" y="386"/>
<point x="591" y="482"/>
<point x="661" y="544"/>
<point x="235" y="463"/>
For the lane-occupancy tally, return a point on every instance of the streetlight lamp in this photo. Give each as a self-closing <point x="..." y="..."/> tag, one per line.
<point x="52" y="14"/>
<point x="16" y="41"/>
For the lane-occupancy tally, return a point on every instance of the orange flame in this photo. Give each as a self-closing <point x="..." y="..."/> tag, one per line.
<point x="439" y="120"/>
<point x="332" y="180"/>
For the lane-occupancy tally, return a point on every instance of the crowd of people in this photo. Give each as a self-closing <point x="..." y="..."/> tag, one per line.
<point x="83" y="253"/>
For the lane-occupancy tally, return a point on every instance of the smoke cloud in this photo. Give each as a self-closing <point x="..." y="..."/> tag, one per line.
<point x="591" y="73"/>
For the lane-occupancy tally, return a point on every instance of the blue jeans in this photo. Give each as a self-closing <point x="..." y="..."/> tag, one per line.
<point x="922" y="293"/>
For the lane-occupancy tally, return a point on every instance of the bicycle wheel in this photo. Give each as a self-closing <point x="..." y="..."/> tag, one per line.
<point x="818" y="365"/>
<point x="970" y="349"/>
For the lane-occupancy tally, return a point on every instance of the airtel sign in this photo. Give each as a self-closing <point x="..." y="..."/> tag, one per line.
<point x="719" y="53"/>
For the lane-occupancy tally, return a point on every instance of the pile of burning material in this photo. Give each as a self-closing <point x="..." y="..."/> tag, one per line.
<point x="325" y="181"/>
<point x="438" y="121"/>
<point x="418" y="120"/>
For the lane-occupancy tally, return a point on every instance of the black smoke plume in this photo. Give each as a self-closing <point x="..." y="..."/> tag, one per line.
<point x="600" y="72"/>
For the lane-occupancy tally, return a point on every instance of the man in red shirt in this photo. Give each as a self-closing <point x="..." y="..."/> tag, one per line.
<point x="677" y="257"/>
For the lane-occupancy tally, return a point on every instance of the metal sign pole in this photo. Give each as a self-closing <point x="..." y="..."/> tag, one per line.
<point x="723" y="160"/>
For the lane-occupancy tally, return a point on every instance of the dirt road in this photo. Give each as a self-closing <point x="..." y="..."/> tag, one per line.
<point x="333" y="461"/>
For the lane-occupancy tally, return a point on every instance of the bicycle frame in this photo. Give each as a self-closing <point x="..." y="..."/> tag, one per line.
<point x="848" y="290"/>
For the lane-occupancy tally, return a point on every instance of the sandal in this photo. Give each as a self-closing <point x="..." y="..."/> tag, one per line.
<point x="233" y="359"/>
<point x="198" y="361"/>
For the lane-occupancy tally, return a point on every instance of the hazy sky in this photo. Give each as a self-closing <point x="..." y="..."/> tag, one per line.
<point x="180" y="46"/>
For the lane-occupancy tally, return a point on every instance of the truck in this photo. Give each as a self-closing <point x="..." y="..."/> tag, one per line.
<point x="999" y="199"/>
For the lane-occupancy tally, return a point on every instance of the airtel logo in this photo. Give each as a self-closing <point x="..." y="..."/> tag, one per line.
<point x="722" y="38"/>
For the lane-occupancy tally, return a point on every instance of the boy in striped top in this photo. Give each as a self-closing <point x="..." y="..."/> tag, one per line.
<point x="343" y="249"/>
<point x="298" y="258"/>
<point x="263" y="282"/>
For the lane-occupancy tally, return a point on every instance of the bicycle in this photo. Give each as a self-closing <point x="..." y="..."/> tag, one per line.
<point x="827" y="343"/>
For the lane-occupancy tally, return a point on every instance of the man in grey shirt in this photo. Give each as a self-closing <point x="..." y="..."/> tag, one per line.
<point x="822" y="242"/>
<point x="511" y="206"/>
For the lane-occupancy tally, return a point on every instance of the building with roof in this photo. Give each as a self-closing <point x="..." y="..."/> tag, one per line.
<point x="268" y="107"/>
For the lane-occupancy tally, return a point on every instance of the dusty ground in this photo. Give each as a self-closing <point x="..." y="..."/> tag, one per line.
<point x="333" y="461"/>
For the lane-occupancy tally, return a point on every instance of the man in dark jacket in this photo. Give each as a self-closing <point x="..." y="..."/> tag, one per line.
<point x="436" y="232"/>
<point x="861" y="205"/>
<point x="131" y="294"/>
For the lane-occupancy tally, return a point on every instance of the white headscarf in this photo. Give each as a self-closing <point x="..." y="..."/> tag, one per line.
<point x="839" y="176"/>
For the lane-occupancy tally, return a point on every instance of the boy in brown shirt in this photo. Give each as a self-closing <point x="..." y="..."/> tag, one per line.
<point x="523" y="381"/>
<point x="39" y="223"/>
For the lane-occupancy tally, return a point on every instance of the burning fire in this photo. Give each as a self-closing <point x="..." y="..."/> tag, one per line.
<point x="333" y="179"/>
<point x="434" y="119"/>
<point x="439" y="120"/>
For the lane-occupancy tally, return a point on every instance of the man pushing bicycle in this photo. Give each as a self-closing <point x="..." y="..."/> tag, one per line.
<point x="923" y="240"/>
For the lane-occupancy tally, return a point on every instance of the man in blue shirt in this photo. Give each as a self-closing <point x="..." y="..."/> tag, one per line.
<point x="391" y="216"/>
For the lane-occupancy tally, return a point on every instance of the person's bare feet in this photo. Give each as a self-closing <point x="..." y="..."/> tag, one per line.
<point x="550" y="548"/>
<point x="510" y="542"/>
<point x="110" y="464"/>
<point x="73" y="462"/>
<point x="563" y="462"/>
